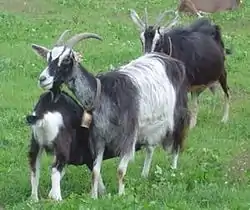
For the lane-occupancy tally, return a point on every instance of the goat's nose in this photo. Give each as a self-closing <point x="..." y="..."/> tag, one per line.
<point x="42" y="78"/>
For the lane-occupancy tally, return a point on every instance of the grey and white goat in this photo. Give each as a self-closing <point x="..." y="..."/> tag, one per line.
<point x="199" y="46"/>
<point x="142" y="102"/>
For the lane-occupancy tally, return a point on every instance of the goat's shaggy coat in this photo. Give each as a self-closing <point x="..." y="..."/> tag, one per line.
<point x="144" y="101"/>
<point x="200" y="47"/>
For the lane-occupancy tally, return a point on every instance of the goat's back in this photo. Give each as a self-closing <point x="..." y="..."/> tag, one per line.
<point x="69" y="108"/>
<point x="158" y="78"/>
<point x="202" y="55"/>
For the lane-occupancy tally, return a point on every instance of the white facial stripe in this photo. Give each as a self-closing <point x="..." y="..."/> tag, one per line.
<point x="48" y="56"/>
<point x="48" y="82"/>
<point x="65" y="53"/>
<point x="56" y="52"/>
<point x="142" y="37"/>
<point x="155" y="40"/>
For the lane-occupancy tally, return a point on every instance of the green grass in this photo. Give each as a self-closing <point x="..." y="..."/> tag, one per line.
<point x="213" y="171"/>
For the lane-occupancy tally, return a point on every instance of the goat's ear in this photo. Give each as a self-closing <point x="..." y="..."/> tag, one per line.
<point x="40" y="50"/>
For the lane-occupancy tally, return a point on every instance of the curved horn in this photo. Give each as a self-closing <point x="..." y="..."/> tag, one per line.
<point x="136" y="19"/>
<point x="173" y="22"/>
<point x="146" y="18"/>
<point x="60" y="40"/>
<point x="78" y="37"/>
<point x="161" y="16"/>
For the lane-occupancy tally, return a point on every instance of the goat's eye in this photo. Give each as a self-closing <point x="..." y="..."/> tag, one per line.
<point x="66" y="60"/>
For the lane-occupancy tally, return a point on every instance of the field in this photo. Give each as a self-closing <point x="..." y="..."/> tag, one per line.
<point x="213" y="171"/>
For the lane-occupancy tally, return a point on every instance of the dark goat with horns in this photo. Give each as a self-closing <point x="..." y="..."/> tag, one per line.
<point x="199" y="46"/>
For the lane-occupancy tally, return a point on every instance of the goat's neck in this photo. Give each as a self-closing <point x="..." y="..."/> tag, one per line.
<point x="83" y="85"/>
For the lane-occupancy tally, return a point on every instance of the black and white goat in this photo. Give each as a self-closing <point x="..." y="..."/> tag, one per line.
<point x="142" y="102"/>
<point x="54" y="122"/>
<point x="56" y="128"/>
<point x="199" y="46"/>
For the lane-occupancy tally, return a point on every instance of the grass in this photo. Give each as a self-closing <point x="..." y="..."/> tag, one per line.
<point x="213" y="171"/>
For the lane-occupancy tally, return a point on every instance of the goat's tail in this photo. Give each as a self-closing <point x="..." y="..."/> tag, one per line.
<point x="219" y="40"/>
<point x="181" y="130"/>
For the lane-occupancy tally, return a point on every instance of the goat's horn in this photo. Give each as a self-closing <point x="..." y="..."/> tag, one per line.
<point x="137" y="20"/>
<point x="174" y="21"/>
<point x="160" y="18"/>
<point x="78" y="37"/>
<point x="146" y="18"/>
<point x="59" y="41"/>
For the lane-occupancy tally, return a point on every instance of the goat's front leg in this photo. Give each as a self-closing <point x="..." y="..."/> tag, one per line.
<point x="147" y="161"/>
<point x="57" y="174"/>
<point x="194" y="110"/>
<point x="101" y="186"/>
<point x="35" y="154"/>
<point x="96" y="173"/>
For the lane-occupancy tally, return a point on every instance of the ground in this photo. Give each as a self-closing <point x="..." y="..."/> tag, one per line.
<point x="213" y="170"/>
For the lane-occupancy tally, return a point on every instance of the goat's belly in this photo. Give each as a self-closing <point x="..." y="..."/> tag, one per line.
<point x="152" y="133"/>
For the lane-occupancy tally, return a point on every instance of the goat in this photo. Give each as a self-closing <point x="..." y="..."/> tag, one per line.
<point x="199" y="46"/>
<point x="199" y="7"/>
<point x="188" y="6"/>
<point x="56" y="128"/>
<point x="144" y="101"/>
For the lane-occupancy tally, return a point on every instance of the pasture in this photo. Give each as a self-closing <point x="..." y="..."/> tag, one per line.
<point x="213" y="170"/>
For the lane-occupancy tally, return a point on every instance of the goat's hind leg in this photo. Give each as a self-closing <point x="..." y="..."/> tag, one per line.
<point x="148" y="159"/>
<point x="123" y="165"/>
<point x="35" y="154"/>
<point x="223" y="83"/>
<point x="194" y="109"/>
<point x="179" y="135"/>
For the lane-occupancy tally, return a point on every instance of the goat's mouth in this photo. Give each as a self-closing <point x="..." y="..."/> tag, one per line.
<point x="46" y="86"/>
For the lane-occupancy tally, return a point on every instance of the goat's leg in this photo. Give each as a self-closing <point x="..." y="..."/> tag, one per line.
<point x="148" y="160"/>
<point x="96" y="173"/>
<point x="123" y="165"/>
<point x="179" y="135"/>
<point x="35" y="154"/>
<point x="194" y="110"/>
<point x="121" y="172"/>
<point x="101" y="186"/>
<point x="223" y="83"/>
<point x="57" y="174"/>
<point x="175" y="157"/>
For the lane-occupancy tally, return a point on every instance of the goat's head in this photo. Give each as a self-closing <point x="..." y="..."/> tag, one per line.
<point x="150" y="35"/>
<point x="61" y="59"/>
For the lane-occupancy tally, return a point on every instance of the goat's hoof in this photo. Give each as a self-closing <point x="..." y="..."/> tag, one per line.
<point x="192" y="125"/>
<point x="121" y="193"/>
<point x="55" y="195"/>
<point x="144" y="175"/>
<point x="121" y="190"/>
<point x="224" y="120"/>
<point x="173" y="167"/>
<point x="102" y="191"/>
<point x="94" y="197"/>
<point x="34" y="198"/>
